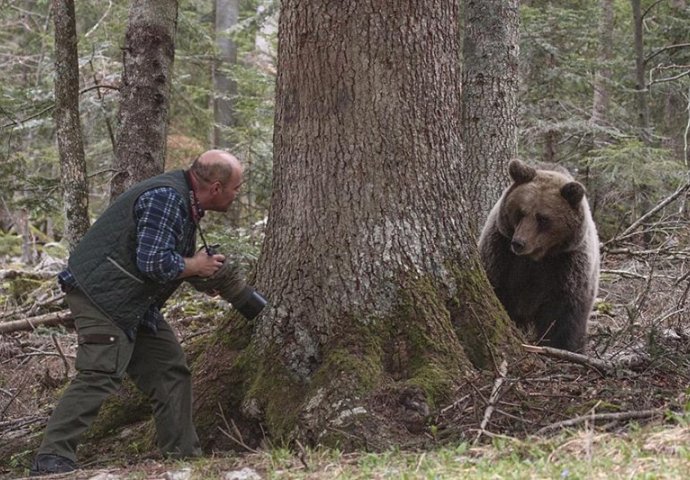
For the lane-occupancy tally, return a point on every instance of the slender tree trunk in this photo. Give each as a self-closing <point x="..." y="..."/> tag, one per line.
<point x="489" y="98"/>
<point x="224" y="87"/>
<point x="69" y="135"/>
<point x="602" y="75"/>
<point x="641" y="90"/>
<point x="601" y="98"/>
<point x="643" y="203"/>
<point x="145" y="93"/>
<point x="378" y="301"/>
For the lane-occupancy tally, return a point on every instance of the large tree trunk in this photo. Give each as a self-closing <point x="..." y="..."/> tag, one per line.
<point x="69" y="136"/>
<point x="489" y="98"/>
<point x="145" y="93"/>
<point x="378" y="302"/>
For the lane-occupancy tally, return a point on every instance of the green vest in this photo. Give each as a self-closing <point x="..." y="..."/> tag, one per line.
<point x="104" y="261"/>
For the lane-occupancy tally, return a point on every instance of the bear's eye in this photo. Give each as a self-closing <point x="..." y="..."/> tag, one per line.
<point x="543" y="222"/>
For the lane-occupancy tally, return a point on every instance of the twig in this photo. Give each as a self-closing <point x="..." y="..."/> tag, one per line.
<point x="40" y="354"/>
<point x="623" y="273"/>
<point x="419" y="462"/>
<point x="594" y="363"/>
<point x="302" y="454"/>
<point x="502" y="371"/>
<point x="14" y="397"/>
<point x="237" y="436"/>
<point x="600" y="416"/>
<point x="642" y="297"/>
<point x="454" y="404"/>
<point x="62" y="354"/>
<point x="633" y="275"/>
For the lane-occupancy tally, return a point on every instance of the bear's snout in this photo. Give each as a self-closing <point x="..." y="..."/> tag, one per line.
<point x="517" y="246"/>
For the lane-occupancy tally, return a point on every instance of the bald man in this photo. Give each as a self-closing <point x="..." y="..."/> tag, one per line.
<point x="118" y="277"/>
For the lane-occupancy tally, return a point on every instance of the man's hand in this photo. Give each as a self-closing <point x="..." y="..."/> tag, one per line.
<point x="202" y="264"/>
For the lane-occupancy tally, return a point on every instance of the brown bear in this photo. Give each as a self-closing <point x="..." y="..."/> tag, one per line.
<point x="540" y="250"/>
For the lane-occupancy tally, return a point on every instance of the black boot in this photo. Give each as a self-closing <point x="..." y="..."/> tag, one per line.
<point x="47" y="463"/>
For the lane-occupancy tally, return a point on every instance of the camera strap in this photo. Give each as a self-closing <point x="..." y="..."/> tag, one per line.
<point x="196" y="211"/>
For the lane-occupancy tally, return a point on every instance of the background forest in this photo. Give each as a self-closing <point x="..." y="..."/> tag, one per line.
<point x="580" y="104"/>
<point x="604" y="90"/>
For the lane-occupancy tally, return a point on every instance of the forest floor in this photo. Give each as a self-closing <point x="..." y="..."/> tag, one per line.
<point x="629" y="389"/>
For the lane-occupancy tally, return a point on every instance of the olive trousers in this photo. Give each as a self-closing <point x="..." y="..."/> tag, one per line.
<point x="154" y="361"/>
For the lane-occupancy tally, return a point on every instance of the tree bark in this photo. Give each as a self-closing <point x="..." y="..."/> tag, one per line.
<point x="489" y="98"/>
<point x="378" y="301"/>
<point x="75" y="188"/>
<point x="145" y="93"/>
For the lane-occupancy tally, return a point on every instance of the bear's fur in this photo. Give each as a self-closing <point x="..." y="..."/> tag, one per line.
<point x="540" y="250"/>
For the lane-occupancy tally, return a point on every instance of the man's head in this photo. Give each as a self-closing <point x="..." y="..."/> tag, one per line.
<point x="218" y="176"/>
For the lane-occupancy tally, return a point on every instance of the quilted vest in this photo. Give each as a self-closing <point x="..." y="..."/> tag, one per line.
<point x="104" y="261"/>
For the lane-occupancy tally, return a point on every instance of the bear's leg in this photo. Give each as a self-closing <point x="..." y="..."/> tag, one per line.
<point x="562" y="325"/>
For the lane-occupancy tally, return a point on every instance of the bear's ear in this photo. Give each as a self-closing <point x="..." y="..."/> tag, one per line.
<point x="573" y="193"/>
<point x="520" y="172"/>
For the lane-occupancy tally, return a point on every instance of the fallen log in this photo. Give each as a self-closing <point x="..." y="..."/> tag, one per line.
<point x="62" y="317"/>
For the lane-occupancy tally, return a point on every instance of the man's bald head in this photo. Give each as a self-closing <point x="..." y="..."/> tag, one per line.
<point x="216" y="166"/>
<point x="218" y="177"/>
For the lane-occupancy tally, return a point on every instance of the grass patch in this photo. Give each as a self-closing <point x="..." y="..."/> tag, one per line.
<point x="658" y="452"/>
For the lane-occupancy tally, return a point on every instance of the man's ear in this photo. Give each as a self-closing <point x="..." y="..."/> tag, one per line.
<point x="216" y="188"/>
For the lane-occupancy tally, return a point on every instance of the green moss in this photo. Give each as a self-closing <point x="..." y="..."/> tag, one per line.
<point x="280" y="393"/>
<point x="479" y="320"/>
<point x="10" y="245"/>
<point x="604" y="308"/>
<point x="341" y="361"/>
<point x="21" y="287"/>
<point x="127" y="407"/>
<point x="435" y="381"/>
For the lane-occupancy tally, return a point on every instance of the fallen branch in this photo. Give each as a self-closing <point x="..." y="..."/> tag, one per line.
<point x="48" y="319"/>
<point x="600" y="416"/>
<point x="12" y="274"/>
<point x="594" y="363"/>
<point x="629" y="231"/>
<point x="493" y="398"/>
<point x="668" y="253"/>
<point x="30" y="309"/>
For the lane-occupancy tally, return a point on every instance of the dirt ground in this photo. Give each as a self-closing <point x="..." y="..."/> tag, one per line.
<point x="636" y="368"/>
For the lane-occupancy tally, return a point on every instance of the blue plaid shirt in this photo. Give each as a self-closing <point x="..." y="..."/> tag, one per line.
<point x="164" y="226"/>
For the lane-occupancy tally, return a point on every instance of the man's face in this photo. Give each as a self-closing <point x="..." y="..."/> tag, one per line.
<point x="224" y="195"/>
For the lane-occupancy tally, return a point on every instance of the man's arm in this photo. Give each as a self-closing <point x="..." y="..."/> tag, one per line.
<point x="201" y="265"/>
<point x="162" y="228"/>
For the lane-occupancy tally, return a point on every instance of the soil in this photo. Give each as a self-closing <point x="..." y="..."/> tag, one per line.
<point x="638" y="326"/>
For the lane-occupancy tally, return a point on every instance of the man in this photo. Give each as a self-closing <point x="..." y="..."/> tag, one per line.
<point x="118" y="277"/>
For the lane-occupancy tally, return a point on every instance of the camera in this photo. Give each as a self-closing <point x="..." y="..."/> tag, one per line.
<point x="212" y="249"/>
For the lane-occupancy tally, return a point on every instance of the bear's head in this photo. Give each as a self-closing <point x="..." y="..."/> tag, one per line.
<point x="542" y="212"/>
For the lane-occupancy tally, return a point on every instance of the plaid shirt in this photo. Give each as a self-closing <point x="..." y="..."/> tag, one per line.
<point x="164" y="226"/>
